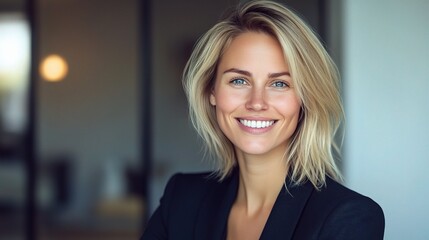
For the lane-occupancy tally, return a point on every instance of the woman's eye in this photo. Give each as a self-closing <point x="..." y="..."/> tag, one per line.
<point x="238" y="81"/>
<point x="280" y="85"/>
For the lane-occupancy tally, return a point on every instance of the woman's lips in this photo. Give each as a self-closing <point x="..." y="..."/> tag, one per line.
<point x="256" y="126"/>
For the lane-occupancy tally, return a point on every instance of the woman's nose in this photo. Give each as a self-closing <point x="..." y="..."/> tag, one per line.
<point x="256" y="100"/>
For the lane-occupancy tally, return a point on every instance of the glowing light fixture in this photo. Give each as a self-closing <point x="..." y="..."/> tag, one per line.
<point x="53" y="68"/>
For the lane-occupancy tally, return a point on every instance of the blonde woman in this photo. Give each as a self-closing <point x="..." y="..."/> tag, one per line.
<point x="264" y="96"/>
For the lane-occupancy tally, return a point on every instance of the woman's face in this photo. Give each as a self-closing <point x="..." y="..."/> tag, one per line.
<point x="256" y="104"/>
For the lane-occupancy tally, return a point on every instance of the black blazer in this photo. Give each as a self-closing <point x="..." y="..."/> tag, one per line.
<point x="197" y="206"/>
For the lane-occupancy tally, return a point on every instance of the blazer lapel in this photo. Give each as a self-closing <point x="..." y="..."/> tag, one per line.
<point x="212" y="219"/>
<point x="286" y="212"/>
<point x="213" y="216"/>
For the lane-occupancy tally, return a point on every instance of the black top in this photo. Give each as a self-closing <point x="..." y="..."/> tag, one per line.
<point x="197" y="206"/>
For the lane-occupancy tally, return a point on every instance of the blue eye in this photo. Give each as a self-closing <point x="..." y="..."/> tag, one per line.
<point x="238" y="81"/>
<point x="280" y="84"/>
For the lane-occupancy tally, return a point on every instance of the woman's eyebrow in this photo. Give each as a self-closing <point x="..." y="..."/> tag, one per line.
<point x="239" y="71"/>
<point x="247" y="73"/>
<point x="276" y="75"/>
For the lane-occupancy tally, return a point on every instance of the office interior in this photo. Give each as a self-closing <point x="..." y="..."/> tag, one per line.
<point x="94" y="120"/>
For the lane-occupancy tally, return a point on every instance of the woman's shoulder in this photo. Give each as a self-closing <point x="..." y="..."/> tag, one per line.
<point x="344" y="212"/>
<point x="191" y="186"/>
<point x="337" y="194"/>
<point x="337" y="212"/>
<point x="185" y="193"/>
<point x="179" y="205"/>
<point x="194" y="181"/>
<point x="197" y="177"/>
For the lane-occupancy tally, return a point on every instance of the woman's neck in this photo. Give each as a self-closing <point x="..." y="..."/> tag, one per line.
<point x="261" y="179"/>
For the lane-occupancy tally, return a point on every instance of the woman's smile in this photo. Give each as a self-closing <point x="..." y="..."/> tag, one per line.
<point x="256" y="123"/>
<point x="254" y="126"/>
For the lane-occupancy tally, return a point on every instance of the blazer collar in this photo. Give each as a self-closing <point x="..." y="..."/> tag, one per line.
<point x="212" y="219"/>
<point x="287" y="211"/>
<point x="213" y="215"/>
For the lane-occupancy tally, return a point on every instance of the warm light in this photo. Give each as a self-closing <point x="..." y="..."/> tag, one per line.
<point x="53" y="68"/>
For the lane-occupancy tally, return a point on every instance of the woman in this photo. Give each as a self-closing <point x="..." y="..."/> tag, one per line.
<point x="264" y="95"/>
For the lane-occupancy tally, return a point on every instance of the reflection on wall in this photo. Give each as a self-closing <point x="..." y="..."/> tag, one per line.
<point x="14" y="82"/>
<point x="14" y="71"/>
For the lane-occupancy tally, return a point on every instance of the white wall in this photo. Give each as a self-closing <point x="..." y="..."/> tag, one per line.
<point x="386" y="89"/>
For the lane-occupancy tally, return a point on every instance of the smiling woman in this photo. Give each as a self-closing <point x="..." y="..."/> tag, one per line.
<point x="264" y="96"/>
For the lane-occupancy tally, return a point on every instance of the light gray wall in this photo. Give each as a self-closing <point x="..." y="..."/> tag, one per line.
<point x="386" y="79"/>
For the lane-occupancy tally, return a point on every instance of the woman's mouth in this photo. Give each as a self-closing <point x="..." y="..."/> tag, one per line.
<point x="257" y="123"/>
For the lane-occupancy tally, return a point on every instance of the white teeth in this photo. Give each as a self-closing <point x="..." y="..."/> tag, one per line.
<point x="256" y="124"/>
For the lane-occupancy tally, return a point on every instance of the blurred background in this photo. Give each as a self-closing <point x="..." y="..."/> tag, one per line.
<point x="93" y="118"/>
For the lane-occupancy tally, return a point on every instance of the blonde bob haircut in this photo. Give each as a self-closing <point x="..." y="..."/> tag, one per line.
<point x="310" y="152"/>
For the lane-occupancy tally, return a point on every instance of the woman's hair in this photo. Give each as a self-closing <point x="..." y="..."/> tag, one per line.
<point x="316" y="82"/>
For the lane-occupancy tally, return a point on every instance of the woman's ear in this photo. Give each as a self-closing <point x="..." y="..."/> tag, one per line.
<point x="212" y="99"/>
